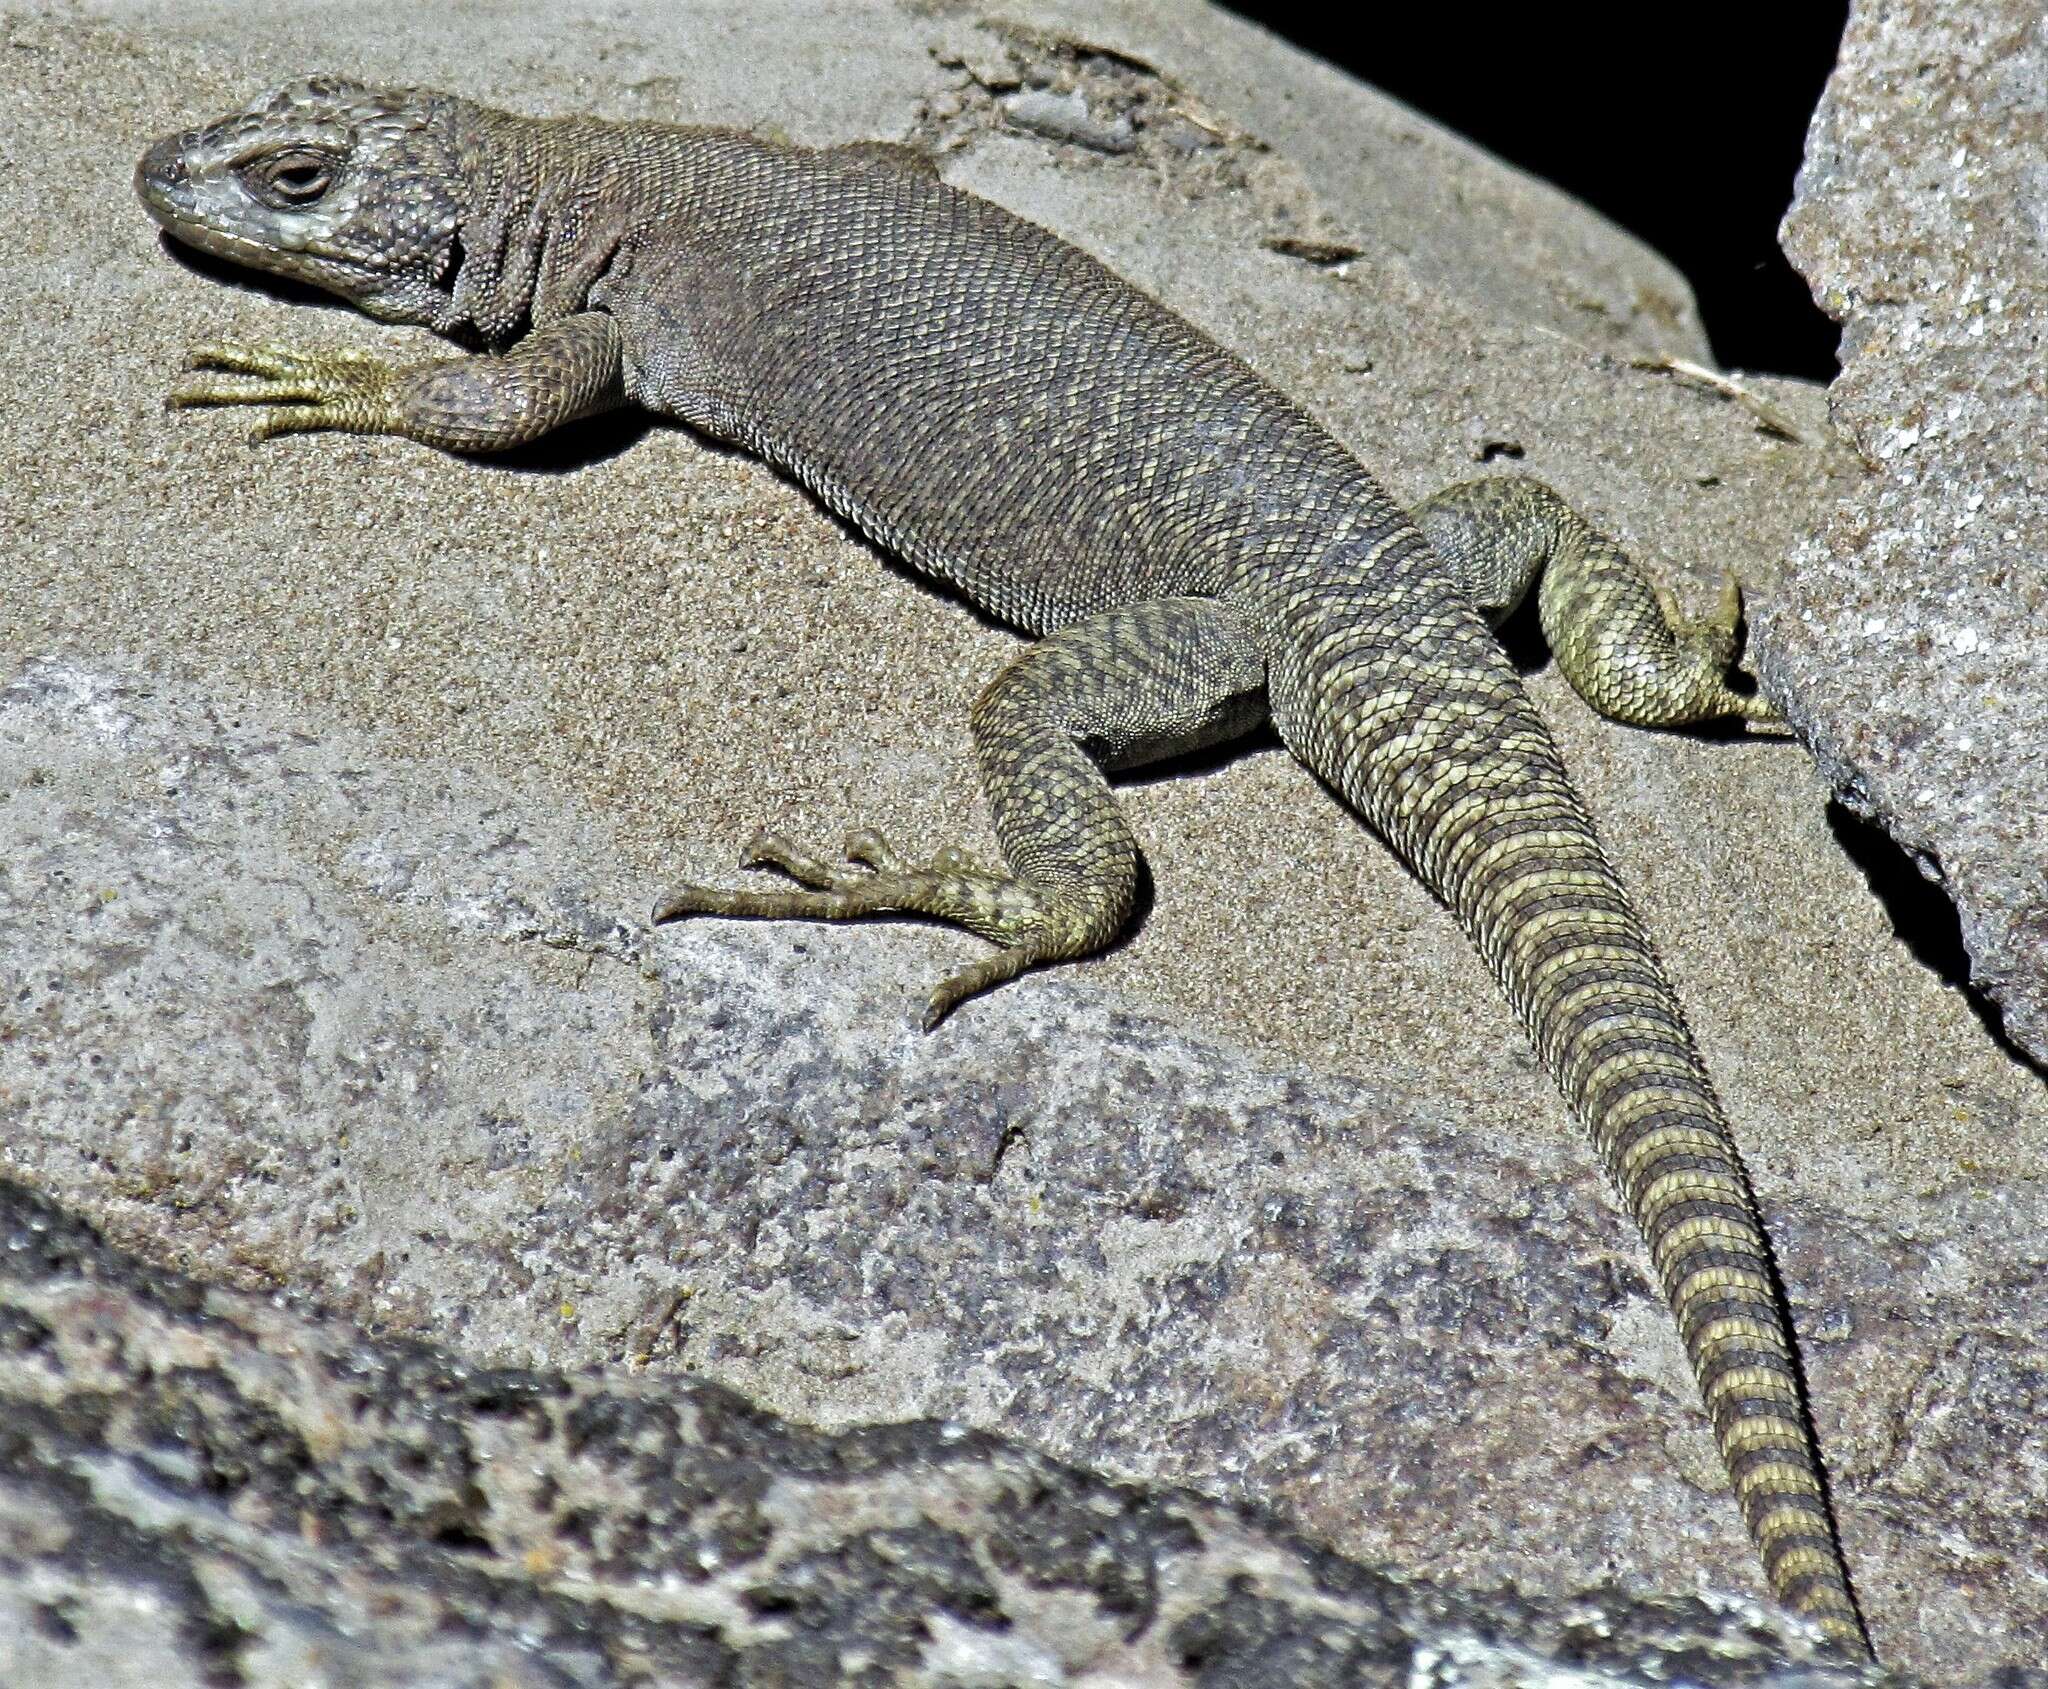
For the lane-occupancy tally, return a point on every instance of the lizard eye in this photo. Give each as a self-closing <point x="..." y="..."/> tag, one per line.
<point x="288" y="180"/>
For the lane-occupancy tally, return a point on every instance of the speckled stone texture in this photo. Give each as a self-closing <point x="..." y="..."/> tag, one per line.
<point x="336" y="778"/>
<point x="303" y="1011"/>
<point x="1909" y="640"/>
<point x="201" y="1488"/>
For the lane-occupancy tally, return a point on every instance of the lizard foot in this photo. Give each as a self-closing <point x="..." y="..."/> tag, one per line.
<point x="1707" y="645"/>
<point x="350" y="391"/>
<point x="877" y="880"/>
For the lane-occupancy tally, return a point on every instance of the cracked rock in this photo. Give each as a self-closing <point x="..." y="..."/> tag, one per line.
<point x="1908" y="641"/>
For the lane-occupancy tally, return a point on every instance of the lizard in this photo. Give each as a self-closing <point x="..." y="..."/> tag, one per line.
<point x="1192" y="552"/>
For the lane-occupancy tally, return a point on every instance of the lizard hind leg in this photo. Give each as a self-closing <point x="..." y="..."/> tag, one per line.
<point x="1620" y="637"/>
<point x="1119" y="689"/>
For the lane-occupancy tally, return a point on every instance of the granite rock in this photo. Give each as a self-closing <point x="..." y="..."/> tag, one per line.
<point x="1909" y="637"/>
<point x="307" y="1012"/>
<point x="204" y="1488"/>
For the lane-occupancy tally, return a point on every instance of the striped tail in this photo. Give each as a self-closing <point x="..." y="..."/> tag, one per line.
<point x="1421" y="723"/>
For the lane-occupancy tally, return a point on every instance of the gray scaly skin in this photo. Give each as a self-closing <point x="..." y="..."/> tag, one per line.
<point x="1196" y="554"/>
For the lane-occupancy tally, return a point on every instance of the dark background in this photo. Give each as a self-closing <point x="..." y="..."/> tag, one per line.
<point x="1687" y="131"/>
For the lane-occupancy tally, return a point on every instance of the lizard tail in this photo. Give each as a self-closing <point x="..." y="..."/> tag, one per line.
<point x="1421" y="723"/>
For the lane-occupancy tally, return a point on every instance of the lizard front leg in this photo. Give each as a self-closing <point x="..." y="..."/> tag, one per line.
<point x="1619" y="636"/>
<point x="485" y="403"/>
<point x="1115" y="691"/>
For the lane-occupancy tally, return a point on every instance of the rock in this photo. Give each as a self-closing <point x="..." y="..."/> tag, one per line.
<point x="338" y="777"/>
<point x="1907" y="638"/>
<point x="1066" y="117"/>
<point x="198" y="1487"/>
<point x="309" y="1012"/>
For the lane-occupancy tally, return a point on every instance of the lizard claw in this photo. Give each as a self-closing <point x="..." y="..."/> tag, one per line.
<point x="1715" y="637"/>
<point x="349" y="391"/>
<point x="876" y="880"/>
<point x="991" y="970"/>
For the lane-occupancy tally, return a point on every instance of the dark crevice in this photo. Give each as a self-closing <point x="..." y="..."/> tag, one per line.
<point x="1920" y="912"/>
<point x="217" y="1644"/>
<point x="452" y="261"/>
<point x="1318" y="254"/>
<point x="1923" y="917"/>
<point x="1686" y="128"/>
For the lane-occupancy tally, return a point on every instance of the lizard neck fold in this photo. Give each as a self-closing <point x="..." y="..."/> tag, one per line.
<point x="512" y="222"/>
<point x="549" y="206"/>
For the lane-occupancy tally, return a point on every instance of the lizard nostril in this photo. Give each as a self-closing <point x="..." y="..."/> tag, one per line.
<point x="163" y="168"/>
<point x="163" y="180"/>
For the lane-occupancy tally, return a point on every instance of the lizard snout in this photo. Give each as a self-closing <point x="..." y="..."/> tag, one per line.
<point x="162" y="178"/>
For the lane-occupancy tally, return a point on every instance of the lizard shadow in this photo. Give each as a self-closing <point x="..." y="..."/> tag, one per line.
<point x="590" y="441"/>
<point x="225" y="272"/>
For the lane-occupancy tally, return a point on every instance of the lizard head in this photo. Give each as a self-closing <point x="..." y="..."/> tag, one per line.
<point x="326" y="181"/>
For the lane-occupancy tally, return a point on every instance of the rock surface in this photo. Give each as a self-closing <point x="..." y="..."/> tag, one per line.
<point x="336" y="776"/>
<point x="308" y="1011"/>
<point x="1910" y="635"/>
<point x="203" y="1488"/>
